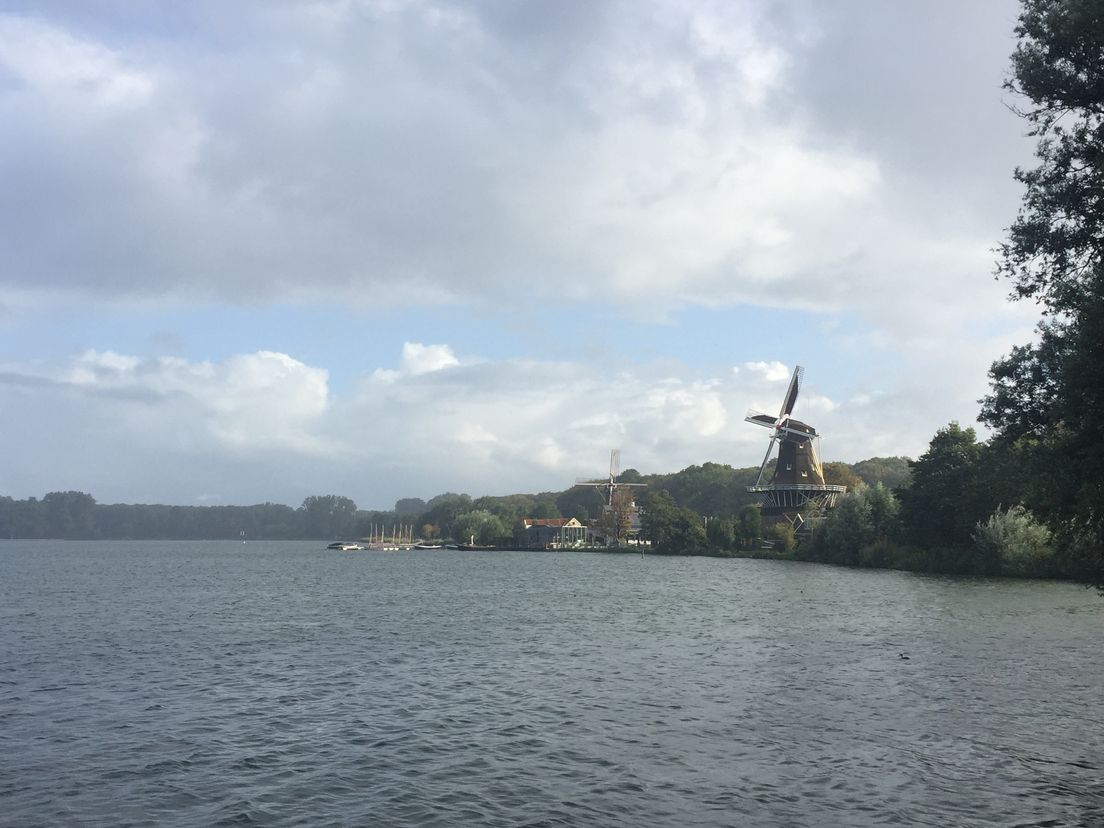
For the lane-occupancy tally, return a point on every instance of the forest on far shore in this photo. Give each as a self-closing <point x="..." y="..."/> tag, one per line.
<point x="711" y="489"/>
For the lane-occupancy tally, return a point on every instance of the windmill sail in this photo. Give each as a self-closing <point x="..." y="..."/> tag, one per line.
<point x="610" y="484"/>
<point x="790" y="399"/>
<point x="797" y="490"/>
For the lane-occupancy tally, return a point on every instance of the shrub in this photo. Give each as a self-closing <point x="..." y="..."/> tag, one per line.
<point x="1014" y="542"/>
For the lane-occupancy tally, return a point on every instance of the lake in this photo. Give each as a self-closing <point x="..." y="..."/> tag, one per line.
<point x="181" y="683"/>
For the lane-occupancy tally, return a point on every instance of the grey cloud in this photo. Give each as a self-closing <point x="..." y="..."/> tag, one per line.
<point x="505" y="154"/>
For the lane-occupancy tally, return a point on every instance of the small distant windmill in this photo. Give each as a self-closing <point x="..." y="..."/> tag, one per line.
<point x="797" y="491"/>
<point x="610" y="484"/>
<point x="619" y="516"/>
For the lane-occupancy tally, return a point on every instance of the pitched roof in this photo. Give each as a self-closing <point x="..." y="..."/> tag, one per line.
<point x="556" y="522"/>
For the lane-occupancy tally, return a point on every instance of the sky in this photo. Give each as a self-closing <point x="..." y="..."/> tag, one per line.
<point x="257" y="251"/>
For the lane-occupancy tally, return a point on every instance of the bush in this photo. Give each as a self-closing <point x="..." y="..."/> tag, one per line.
<point x="783" y="536"/>
<point x="1013" y="542"/>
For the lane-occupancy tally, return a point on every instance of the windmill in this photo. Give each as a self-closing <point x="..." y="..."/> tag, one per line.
<point x="797" y="491"/>
<point x="610" y="484"/>
<point x="619" y="516"/>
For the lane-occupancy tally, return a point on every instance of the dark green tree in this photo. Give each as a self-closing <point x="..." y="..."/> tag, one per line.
<point x="749" y="526"/>
<point x="721" y="534"/>
<point x="70" y="514"/>
<point x="891" y="472"/>
<point x="582" y="502"/>
<point x="671" y="529"/>
<point x="443" y="510"/>
<point x="939" y="507"/>
<point x="630" y="476"/>
<point x="1053" y="391"/>
<point x="481" y="526"/>
<point x="409" y="506"/>
<point x="841" y="474"/>
<point x="328" y="516"/>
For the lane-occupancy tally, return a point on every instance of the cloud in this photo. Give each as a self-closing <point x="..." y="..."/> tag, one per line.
<point x="770" y="371"/>
<point x="265" y="426"/>
<point x="421" y="359"/>
<point x="511" y="165"/>
<point x="246" y="404"/>
<point x="648" y="156"/>
<point x="63" y="68"/>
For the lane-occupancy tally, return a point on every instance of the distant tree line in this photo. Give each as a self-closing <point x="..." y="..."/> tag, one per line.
<point x="964" y="506"/>
<point x="710" y="489"/>
<point x="77" y="515"/>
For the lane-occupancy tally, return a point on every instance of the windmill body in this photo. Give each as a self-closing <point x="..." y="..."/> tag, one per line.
<point x="796" y="491"/>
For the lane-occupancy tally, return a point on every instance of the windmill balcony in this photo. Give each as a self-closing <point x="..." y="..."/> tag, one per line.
<point x="797" y="487"/>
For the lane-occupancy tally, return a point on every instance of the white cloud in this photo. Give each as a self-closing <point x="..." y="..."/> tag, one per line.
<point x="248" y="403"/>
<point x="55" y="63"/>
<point x="266" y="426"/>
<point x="770" y="371"/>
<point x="421" y="359"/>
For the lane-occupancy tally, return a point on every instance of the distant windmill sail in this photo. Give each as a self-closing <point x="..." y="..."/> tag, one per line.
<point x="611" y="483"/>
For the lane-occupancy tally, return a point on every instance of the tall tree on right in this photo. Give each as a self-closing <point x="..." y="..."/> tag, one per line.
<point x="1047" y="397"/>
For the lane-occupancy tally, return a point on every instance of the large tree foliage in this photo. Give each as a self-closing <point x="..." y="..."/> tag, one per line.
<point x="939" y="506"/>
<point x="328" y="516"/>
<point x="1051" y="393"/>
<point x="672" y="529"/>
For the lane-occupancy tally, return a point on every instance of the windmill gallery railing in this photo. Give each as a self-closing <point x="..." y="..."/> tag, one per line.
<point x="798" y="495"/>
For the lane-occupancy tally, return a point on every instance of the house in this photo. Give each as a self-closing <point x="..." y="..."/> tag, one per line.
<point x="551" y="533"/>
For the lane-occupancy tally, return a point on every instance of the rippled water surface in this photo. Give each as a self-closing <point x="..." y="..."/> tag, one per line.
<point x="283" y="684"/>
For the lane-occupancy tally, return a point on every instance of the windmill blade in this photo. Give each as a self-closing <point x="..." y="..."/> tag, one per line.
<point x="766" y="457"/>
<point x="615" y="463"/>
<point x="759" y="418"/>
<point x="791" y="393"/>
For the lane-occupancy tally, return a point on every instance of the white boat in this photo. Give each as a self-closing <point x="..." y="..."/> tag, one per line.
<point x="345" y="546"/>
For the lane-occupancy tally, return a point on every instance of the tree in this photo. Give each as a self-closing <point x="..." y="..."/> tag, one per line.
<point x="671" y="529"/>
<point x="481" y="525"/>
<point x="616" y="519"/>
<point x="749" y="525"/>
<point x="1013" y="542"/>
<point x="939" y="504"/>
<point x="409" y="506"/>
<point x="860" y="530"/>
<point x="841" y="474"/>
<point x="709" y="489"/>
<point x="721" y="533"/>
<point x="543" y="510"/>
<point x="891" y="472"/>
<point x="845" y="532"/>
<point x="1053" y="390"/>
<point x="885" y="511"/>
<point x="784" y="536"/>
<point x="70" y="514"/>
<point x="443" y="510"/>
<point x="328" y="516"/>
<point x="580" y="502"/>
